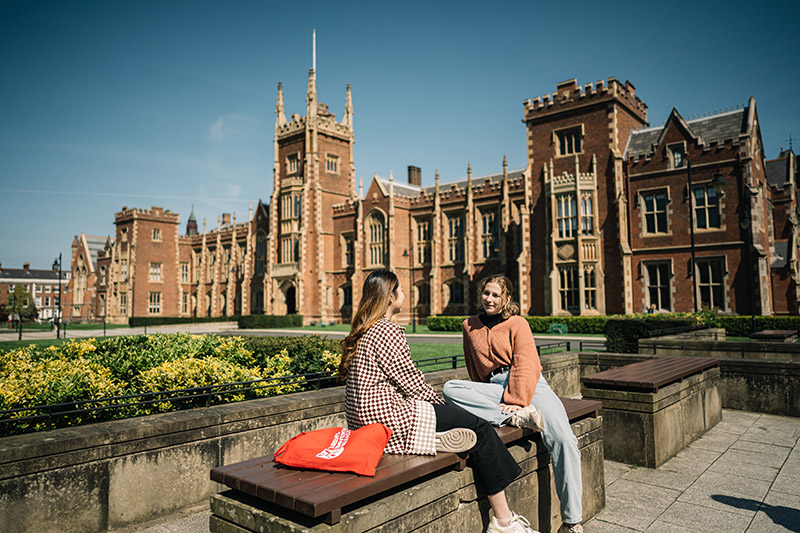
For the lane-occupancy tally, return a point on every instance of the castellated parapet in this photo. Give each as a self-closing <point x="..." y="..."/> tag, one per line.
<point x="570" y="95"/>
<point x="155" y="213"/>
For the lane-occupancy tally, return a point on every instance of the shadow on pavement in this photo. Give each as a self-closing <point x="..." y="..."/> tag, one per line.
<point x="786" y="517"/>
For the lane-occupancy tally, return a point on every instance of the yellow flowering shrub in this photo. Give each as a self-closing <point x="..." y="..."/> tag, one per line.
<point x="93" y="369"/>
<point x="279" y="366"/>
<point x="192" y="373"/>
<point x="27" y="382"/>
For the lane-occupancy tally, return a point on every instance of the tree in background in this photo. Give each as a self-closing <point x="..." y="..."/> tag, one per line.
<point x="20" y="304"/>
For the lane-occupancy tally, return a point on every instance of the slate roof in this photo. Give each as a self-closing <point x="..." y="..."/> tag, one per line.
<point x="778" y="171"/>
<point x="717" y="128"/>
<point x="95" y="244"/>
<point x="17" y="274"/>
<point x="405" y="189"/>
<point x="781" y="254"/>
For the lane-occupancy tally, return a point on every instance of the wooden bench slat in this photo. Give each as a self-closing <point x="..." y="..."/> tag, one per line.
<point x="316" y="493"/>
<point x="651" y="374"/>
<point x="346" y="492"/>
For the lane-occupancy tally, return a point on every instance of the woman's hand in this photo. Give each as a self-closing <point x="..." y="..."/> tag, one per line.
<point x="507" y="409"/>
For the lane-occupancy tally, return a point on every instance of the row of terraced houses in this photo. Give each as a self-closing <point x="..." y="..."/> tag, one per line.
<point x="610" y="215"/>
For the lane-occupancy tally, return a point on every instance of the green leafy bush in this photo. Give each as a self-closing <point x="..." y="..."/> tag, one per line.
<point x="304" y="352"/>
<point x="270" y="321"/>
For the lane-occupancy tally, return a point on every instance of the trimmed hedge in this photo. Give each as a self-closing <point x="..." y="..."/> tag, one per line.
<point x="623" y="332"/>
<point x="270" y="321"/>
<point x="539" y="324"/>
<point x="444" y="323"/>
<point x="740" y="326"/>
<point x="575" y="324"/>
<point x="139" y="321"/>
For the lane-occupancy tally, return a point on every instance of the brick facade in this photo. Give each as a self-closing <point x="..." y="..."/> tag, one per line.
<point x="600" y="221"/>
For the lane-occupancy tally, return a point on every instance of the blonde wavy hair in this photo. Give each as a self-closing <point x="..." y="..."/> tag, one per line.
<point x="510" y="307"/>
<point x="375" y="300"/>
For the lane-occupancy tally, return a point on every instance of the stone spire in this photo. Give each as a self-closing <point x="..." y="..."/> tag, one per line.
<point x="280" y="114"/>
<point x="311" y="95"/>
<point x="347" y="120"/>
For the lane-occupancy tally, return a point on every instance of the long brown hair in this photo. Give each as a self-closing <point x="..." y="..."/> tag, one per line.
<point x="510" y="307"/>
<point x="375" y="300"/>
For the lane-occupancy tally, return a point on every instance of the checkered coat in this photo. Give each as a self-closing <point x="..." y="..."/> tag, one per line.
<point x="384" y="386"/>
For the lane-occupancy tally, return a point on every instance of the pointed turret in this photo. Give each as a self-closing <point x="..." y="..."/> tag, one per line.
<point x="347" y="120"/>
<point x="191" y="223"/>
<point x="280" y="114"/>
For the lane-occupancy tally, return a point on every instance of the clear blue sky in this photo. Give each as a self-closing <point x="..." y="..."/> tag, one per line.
<point x="171" y="103"/>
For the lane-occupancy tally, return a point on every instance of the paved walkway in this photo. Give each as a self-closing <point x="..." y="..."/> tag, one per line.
<point x="742" y="476"/>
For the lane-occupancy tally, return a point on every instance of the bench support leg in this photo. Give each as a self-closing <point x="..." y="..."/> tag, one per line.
<point x="333" y="517"/>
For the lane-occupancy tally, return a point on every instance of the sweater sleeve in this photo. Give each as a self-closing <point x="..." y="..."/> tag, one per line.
<point x="469" y="353"/>
<point x="526" y="368"/>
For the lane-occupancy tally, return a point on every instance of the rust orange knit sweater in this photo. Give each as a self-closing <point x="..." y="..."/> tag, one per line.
<point x="509" y="343"/>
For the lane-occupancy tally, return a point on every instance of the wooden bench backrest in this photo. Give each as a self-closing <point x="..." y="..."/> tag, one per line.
<point x="316" y="493"/>
<point x="649" y="375"/>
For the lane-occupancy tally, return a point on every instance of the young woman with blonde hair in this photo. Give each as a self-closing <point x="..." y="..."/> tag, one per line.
<point x="384" y="386"/>
<point x="507" y="387"/>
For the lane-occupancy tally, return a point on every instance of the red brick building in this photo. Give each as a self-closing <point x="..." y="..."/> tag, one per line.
<point x="42" y="285"/>
<point x="610" y="215"/>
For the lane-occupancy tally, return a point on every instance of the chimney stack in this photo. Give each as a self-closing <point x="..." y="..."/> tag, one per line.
<point x="27" y="266"/>
<point x="226" y="219"/>
<point x="414" y="176"/>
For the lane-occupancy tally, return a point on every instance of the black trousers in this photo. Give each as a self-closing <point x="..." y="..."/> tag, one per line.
<point x="492" y="462"/>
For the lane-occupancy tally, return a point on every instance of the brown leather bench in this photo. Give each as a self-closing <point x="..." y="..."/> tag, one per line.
<point x="317" y="493"/>
<point x="649" y="375"/>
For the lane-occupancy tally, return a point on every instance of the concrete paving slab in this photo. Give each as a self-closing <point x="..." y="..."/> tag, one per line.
<point x="635" y="505"/>
<point x="779" y="512"/>
<point x="771" y="454"/>
<point x="771" y="431"/>
<point x="788" y="481"/>
<point x="740" y="418"/>
<point x="661" y="477"/>
<point x="660" y="526"/>
<point x="691" y="460"/>
<point x="700" y="518"/>
<point x="733" y="463"/>
<point x="613" y="470"/>
<point x="726" y="493"/>
<point x="598" y="526"/>
<point x="717" y="441"/>
<point x="747" y="464"/>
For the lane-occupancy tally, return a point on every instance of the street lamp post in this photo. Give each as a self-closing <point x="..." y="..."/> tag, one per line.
<point x="57" y="262"/>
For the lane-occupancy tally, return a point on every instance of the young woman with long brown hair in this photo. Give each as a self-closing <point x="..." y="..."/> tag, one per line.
<point x="384" y="386"/>
<point x="507" y="387"/>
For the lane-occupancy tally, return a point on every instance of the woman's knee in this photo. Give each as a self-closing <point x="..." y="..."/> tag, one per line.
<point x="454" y="389"/>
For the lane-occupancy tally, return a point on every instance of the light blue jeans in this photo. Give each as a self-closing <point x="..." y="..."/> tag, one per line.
<point x="482" y="399"/>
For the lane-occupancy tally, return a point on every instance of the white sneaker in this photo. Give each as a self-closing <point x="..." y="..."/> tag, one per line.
<point x="527" y="417"/>
<point x="570" y="528"/>
<point x="455" y="440"/>
<point x="519" y="524"/>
